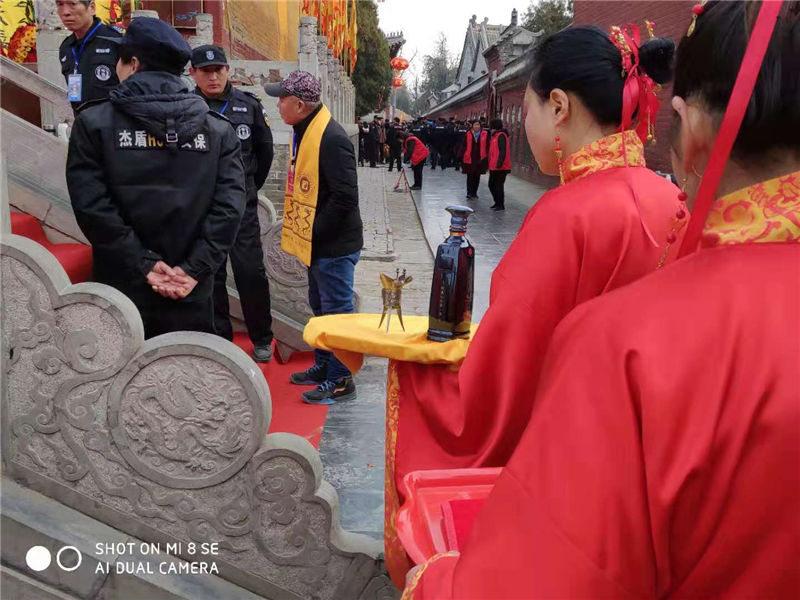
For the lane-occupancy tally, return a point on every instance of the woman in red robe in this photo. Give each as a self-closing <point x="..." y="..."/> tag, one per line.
<point x="611" y="222"/>
<point x="662" y="459"/>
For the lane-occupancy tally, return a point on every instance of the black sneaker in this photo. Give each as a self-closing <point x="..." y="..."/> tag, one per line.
<point x="262" y="353"/>
<point x="314" y="375"/>
<point x="330" y="392"/>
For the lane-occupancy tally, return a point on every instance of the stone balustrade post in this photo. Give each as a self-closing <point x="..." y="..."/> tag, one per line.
<point x="46" y="15"/>
<point x="352" y="99"/>
<point x="307" y="50"/>
<point x="49" y="35"/>
<point x="151" y="14"/>
<point x="204" y="33"/>
<point x="5" y="209"/>
<point x="343" y="93"/>
<point x="332" y="72"/>
<point x="322" y="59"/>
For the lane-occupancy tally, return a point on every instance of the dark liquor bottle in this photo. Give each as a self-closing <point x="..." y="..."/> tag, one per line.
<point x="450" y="312"/>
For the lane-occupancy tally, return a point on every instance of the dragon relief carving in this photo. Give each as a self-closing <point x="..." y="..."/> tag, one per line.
<point x="136" y="427"/>
<point x="183" y="417"/>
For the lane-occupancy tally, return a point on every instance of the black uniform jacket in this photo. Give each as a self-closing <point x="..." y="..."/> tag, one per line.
<point x="249" y="120"/>
<point x="337" y="230"/>
<point x="97" y="62"/>
<point x="154" y="175"/>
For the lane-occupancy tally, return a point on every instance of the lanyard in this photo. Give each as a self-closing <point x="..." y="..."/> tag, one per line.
<point x="224" y="108"/>
<point x="77" y="56"/>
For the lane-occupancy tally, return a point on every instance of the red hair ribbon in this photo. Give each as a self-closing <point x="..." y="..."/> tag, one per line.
<point x="639" y="91"/>
<point x="734" y="115"/>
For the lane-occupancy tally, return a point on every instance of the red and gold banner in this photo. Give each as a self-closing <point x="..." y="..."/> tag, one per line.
<point x="18" y="26"/>
<point x="18" y="31"/>
<point x="337" y="21"/>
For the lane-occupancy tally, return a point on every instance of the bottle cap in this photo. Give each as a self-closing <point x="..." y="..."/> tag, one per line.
<point x="458" y="217"/>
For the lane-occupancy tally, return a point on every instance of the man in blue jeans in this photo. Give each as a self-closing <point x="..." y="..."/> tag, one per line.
<point x="322" y="223"/>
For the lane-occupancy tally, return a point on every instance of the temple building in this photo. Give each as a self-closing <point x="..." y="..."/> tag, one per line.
<point x="493" y="84"/>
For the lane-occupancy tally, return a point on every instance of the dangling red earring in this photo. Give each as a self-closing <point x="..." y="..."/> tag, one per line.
<point x="560" y="158"/>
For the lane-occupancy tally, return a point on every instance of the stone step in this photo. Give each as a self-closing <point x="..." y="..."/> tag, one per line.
<point x="32" y="519"/>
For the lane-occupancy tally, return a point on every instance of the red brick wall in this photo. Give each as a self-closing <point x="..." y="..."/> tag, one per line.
<point x="671" y="18"/>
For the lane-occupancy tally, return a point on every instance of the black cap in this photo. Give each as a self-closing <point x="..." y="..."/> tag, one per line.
<point x="207" y="56"/>
<point x="161" y="43"/>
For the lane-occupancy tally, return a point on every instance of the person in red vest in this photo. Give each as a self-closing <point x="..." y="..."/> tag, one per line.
<point x="415" y="152"/>
<point x="475" y="160"/>
<point x="499" y="164"/>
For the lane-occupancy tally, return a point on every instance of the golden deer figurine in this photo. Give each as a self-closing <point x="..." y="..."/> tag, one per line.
<point x="391" y="293"/>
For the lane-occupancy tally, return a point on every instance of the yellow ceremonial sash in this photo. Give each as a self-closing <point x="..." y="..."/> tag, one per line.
<point x="302" y="189"/>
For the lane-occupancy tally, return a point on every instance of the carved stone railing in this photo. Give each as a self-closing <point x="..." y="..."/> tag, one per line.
<point x="53" y="97"/>
<point x="165" y="439"/>
<point x="37" y="183"/>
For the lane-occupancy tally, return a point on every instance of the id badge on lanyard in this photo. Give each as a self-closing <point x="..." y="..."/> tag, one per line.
<point x="74" y="87"/>
<point x="75" y="80"/>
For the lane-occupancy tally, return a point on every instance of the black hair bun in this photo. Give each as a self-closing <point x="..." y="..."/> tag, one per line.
<point x="656" y="57"/>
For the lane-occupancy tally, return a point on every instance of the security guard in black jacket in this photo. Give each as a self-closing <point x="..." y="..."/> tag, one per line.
<point x="88" y="56"/>
<point x="249" y="120"/>
<point x="157" y="184"/>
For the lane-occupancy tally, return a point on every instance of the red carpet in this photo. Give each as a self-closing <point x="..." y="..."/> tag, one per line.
<point x="289" y="413"/>
<point x="75" y="258"/>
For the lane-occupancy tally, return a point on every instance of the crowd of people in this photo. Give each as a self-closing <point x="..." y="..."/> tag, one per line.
<point x="473" y="146"/>
<point x="164" y="184"/>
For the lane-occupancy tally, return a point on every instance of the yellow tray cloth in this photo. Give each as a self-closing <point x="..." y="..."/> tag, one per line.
<point x="352" y="336"/>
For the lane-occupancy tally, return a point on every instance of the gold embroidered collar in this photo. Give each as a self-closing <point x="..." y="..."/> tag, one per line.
<point x="765" y="212"/>
<point x="606" y="153"/>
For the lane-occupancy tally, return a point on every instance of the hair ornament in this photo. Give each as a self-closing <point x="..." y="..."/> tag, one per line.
<point x="650" y="28"/>
<point x="697" y="10"/>
<point x="639" y="90"/>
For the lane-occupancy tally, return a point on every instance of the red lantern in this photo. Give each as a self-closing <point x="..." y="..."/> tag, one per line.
<point x="399" y="63"/>
<point x="397" y="82"/>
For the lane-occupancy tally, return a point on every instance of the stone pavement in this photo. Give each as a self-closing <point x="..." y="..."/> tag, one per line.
<point x="352" y="444"/>
<point x="378" y="243"/>
<point x="490" y="232"/>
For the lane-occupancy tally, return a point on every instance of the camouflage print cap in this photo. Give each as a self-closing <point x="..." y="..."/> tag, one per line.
<point x="301" y="84"/>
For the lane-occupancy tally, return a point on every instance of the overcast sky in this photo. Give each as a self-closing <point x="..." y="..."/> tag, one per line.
<point x="422" y="20"/>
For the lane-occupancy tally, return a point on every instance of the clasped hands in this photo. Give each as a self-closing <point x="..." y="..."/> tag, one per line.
<point x="170" y="282"/>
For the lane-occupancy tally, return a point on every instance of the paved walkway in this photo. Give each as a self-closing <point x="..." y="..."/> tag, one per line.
<point x="378" y="242"/>
<point x="352" y="444"/>
<point x="490" y="232"/>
